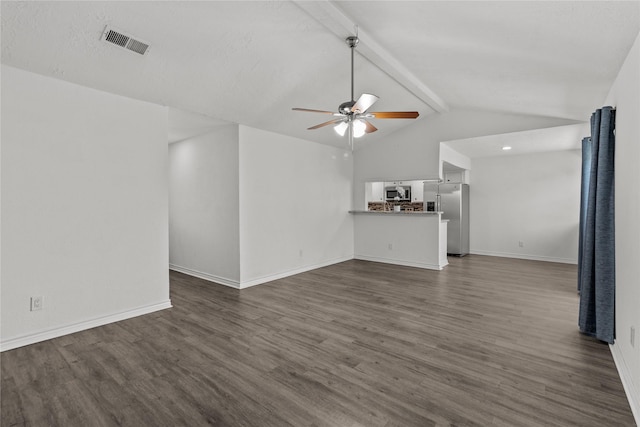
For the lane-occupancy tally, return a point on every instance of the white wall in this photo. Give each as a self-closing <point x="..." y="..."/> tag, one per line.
<point x="533" y="198"/>
<point x="84" y="212"/>
<point x="413" y="152"/>
<point x="625" y="96"/>
<point x="404" y="239"/>
<point x="449" y="155"/>
<point x="204" y="230"/>
<point x="294" y="201"/>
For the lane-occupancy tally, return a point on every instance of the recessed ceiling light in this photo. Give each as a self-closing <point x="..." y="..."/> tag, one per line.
<point x="506" y="147"/>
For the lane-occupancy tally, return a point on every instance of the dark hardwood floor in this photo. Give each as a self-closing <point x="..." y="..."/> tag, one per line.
<point x="487" y="341"/>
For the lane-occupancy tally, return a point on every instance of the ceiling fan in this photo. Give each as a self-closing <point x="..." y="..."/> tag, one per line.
<point x="352" y="115"/>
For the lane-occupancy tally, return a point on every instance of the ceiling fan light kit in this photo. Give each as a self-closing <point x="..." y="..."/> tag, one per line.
<point x="352" y="115"/>
<point x="341" y="128"/>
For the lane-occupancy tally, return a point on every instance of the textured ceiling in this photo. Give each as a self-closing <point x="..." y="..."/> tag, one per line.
<point x="250" y="62"/>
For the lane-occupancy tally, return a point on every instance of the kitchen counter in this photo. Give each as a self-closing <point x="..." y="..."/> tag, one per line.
<point x="411" y="238"/>
<point x="396" y="213"/>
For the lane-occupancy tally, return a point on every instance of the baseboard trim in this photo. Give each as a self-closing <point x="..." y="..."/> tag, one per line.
<point x="287" y="273"/>
<point x="24" y="340"/>
<point x="627" y="381"/>
<point x="401" y="262"/>
<point x="206" y="276"/>
<point x="257" y="281"/>
<point x="524" y="256"/>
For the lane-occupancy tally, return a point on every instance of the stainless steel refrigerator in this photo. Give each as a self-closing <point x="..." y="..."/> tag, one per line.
<point x="454" y="204"/>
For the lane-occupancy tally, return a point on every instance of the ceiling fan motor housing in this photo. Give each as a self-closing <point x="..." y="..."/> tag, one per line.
<point x="345" y="107"/>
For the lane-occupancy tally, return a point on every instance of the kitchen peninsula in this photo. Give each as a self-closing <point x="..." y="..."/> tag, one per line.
<point x="400" y="232"/>
<point x="415" y="239"/>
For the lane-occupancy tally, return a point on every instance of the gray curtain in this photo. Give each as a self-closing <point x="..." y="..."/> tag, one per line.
<point x="584" y="196"/>
<point x="596" y="254"/>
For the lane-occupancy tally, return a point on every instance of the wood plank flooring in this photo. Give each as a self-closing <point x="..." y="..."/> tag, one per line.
<point x="486" y="342"/>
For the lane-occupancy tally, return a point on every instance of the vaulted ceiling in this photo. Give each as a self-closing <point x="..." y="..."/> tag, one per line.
<point x="251" y="62"/>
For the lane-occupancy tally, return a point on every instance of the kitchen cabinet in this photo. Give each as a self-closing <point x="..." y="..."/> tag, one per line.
<point x="377" y="192"/>
<point x="454" y="177"/>
<point x="417" y="191"/>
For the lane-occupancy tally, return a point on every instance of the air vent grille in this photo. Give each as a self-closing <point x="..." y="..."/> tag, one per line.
<point x="119" y="38"/>
<point x="137" y="46"/>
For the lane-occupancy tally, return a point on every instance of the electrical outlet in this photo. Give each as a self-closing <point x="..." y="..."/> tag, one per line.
<point x="36" y="303"/>
<point x="521" y="244"/>
<point x="632" y="338"/>
<point x="390" y="246"/>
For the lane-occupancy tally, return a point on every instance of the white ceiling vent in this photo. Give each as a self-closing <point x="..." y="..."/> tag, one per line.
<point x="119" y="38"/>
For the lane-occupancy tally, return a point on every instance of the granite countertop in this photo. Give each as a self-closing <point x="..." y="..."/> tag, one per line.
<point x="395" y="213"/>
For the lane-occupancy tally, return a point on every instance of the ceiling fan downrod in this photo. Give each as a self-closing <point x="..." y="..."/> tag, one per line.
<point x="347" y="107"/>
<point x="352" y="41"/>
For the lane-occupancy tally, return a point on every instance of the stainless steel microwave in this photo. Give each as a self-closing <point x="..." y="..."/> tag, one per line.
<point x="402" y="192"/>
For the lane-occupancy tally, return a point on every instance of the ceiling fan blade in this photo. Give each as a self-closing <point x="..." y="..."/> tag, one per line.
<point x="363" y="103"/>
<point x="395" y="114"/>
<point x="370" y="128"/>
<point x="330" y="122"/>
<point x="313" y="111"/>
